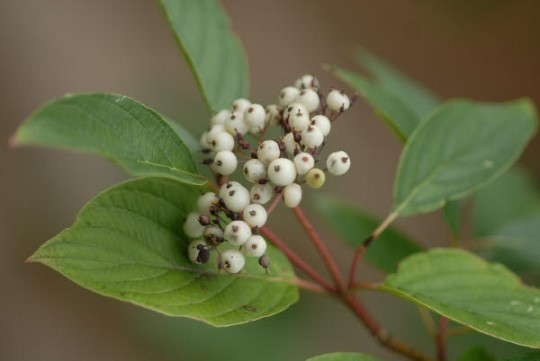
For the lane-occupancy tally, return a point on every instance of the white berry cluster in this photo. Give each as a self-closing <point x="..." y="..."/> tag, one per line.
<point x="275" y="168"/>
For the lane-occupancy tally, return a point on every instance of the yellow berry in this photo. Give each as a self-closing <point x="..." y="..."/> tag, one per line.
<point x="315" y="178"/>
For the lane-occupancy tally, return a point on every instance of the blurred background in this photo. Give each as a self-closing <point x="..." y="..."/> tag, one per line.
<point x="483" y="49"/>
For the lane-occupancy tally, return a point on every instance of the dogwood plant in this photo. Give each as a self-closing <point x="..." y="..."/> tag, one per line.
<point x="186" y="244"/>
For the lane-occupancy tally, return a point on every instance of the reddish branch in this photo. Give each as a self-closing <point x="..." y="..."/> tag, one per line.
<point x="321" y="248"/>
<point x="365" y="244"/>
<point x="441" y="338"/>
<point x="296" y="260"/>
<point x="348" y="298"/>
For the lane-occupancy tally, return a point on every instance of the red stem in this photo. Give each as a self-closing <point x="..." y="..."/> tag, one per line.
<point x="356" y="260"/>
<point x="321" y="248"/>
<point x="365" y="244"/>
<point x="441" y="338"/>
<point x="274" y="203"/>
<point x="297" y="261"/>
<point x="380" y="333"/>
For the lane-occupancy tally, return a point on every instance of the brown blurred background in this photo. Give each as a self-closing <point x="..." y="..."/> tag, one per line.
<point x="484" y="49"/>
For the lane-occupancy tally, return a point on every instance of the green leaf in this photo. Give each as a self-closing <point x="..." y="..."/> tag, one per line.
<point x="189" y="140"/>
<point x="213" y="52"/>
<point x="343" y="356"/>
<point x="393" y="110"/>
<point x="476" y="353"/>
<point x="464" y="288"/>
<point x="127" y="243"/>
<point x="452" y="216"/>
<point x="528" y="356"/>
<point x="419" y="99"/>
<point x="115" y="127"/>
<point x="459" y="148"/>
<point x="354" y="226"/>
<point x="516" y="246"/>
<point x="509" y="198"/>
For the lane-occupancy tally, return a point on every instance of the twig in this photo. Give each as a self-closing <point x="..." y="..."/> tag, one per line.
<point x="427" y="320"/>
<point x="274" y="203"/>
<point x="381" y="334"/>
<point x="365" y="244"/>
<point x="297" y="261"/>
<point x="364" y="286"/>
<point x="321" y="248"/>
<point x="441" y="338"/>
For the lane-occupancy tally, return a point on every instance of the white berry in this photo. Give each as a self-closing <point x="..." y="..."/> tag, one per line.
<point x="225" y="162"/>
<point x="213" y="233"/>
<point x="273" y="117"/>
<point x="207" y="201"/>
<point x="307" y="81"/>
<point x="323" y="123"/>
<point x="303" y="162"/>
<point x="312" y="137"/>
<point x="220" y="117"/>
<point x="298" y="117"/>
<point x="255" y="215"/>
<point x="315" y="178"/>
<point x="338" y="101"/>
<point x="254" y="116"/>
<point x="225" y="188"/>
<point x="281" y="172"/>
<point x="254" y="170"/>
<point x="268" y="151"/>
<point x="204" y="140"/>
<point x="287" y="96"/>
<point x="338" y="163"/>
<point x="236" y="124"/>
<point x="192" y="228"/>
<point x="255" y="246"/>
<point x="236" y="199"/>
<point x="194" y="250"/>
<point x="220" y="141"/>
<point x="309" y="98"/>
<point x="290" y="143"/>
<point x="237" y="233"/>
<point x="261" y="193"/>
<point x="292" y="195"/>
<point x="241" y="104"/>
<point x="232" y="260"/>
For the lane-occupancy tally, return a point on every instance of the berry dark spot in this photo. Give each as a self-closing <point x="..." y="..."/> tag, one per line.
<point x="252" y="213"/>
<point x="204" y="220"/>
<point x="250" y="110"/>
<point x="256" y="196"/>
<point x="203" y="256"/>
<point x="253" y="246"/>
<point x="345" y="159"/>
<point x="235" y="229"/>
<point x="231" y="193"/>
<point x="277" y="168"/>
<point x="219" y="163"/>
<point x="305" y="159"/>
